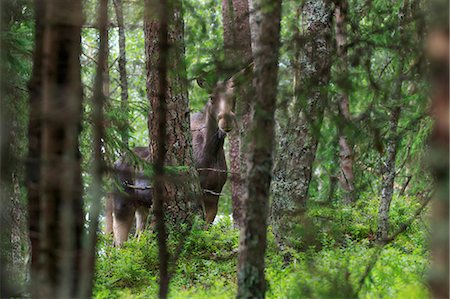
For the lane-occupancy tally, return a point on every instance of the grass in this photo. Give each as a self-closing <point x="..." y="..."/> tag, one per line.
<point x="207" y="266"/>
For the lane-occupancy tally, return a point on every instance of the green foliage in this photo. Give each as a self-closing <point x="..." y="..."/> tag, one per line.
<point x="207" y="264"/>
<point x="17" y="43"/>
<point x="335" y="273"/>
<point x="330" y="224"/>
<point x="335" y="242"/>
<point x="207" y="261"/>
<point x="204" y="47"/>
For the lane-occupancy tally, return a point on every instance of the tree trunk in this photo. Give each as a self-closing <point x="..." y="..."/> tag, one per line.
<point x="299" y="138"/>
<point x="14" y="238"/>
<point x="346" y="178"/>
<point x="238" y="53"/>
<point x="122" y="69"/>
<point x="159" y="39"/>
<point x="389" y="168"/>
<point x="55" y="188"/>
<point x="253" y="20"/>
<point x="33" y="163"/>
<point x="181" y="197"/>
<point x="389" y="174"/>
<point x="438" y="54"/>
<point x="253" y="239"/>
<point x="101" y="90"/>
<point x="169" y="126"/>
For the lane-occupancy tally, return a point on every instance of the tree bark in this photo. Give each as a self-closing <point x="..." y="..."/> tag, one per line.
<point x="55" y="196"/>
<point x="33" y="163"/>
<point x="346" y="177"/>
<point x="238" y="53"/>
<point x="253" y="239"/>
<point x="299" y="138"/>
<point x="389" y="167"/>
<point x="14" y="238"/>
<point x="122" y="69"/>
<point x="101" y="90"/>
<point x="389" y="174"/>
<point x="159" y="133"/>
<point x="181" y="198"/>
<point x="438" y="54"/>
<point x="177" y="202"/>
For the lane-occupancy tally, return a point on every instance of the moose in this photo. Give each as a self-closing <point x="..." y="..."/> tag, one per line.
<point x="209" y="129"/>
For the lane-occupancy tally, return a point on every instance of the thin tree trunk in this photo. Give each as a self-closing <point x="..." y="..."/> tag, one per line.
<point x="294" y="165"/>
<point x="122" y="69"/>
<point x="389" y="167"/>
<point x="160" y="149"/>
<point x="101" y="88"/>
<point x="345" y="148"/>
<point x="175" y="203"/>
<point x="7" y="285"/>
<point x="33" y="163"/>
<point x="58" y="196"/>
<point x="253" y="239"/>
<point x="181" y="199"/>
<point x="387" y="190"/>
<point x="238" y="53"/>
<point x="253" y="20"/>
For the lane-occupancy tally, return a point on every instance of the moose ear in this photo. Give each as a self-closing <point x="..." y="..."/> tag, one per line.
<point x="248" y="70"/>
<point x="244" y="75"/>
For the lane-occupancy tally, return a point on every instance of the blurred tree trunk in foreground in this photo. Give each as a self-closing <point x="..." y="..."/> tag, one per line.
<point x="346" y="178"/>
<point x="238" y="53"/>
<point x="101" y="92"/>
<point x="53" y="169"/>
<point x="169" y="125"/>
<point x="438" y="53"/>
<point x="253" y="239"/>
<point x="33" y="163"/>
<point x="299" y="138"/>
<point x="157" y="47"/>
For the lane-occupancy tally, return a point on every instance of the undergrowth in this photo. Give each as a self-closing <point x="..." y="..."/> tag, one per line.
<point x="330" y="267"/>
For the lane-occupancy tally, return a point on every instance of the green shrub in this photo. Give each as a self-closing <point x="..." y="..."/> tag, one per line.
<point x="330" y="267"/>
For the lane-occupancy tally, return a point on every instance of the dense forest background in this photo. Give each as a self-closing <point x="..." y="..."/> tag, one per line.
<point x="337" y="159"/>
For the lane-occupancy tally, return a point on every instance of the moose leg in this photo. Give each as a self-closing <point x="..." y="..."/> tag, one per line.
<point x="141" y="220"/>
<point x="211" y="203"/>
<point x="123" y="217"/>
<point x="109" y="215"/>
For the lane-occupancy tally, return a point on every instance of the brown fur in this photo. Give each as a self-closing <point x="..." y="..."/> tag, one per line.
<point x="209" y="129"/>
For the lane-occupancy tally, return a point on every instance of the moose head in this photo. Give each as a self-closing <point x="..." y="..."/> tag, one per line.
<point x="221" y="105"/>
<point x="219" y="108"/>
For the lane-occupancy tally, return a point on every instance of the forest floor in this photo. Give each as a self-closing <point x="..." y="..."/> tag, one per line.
<point x="330" y="266"/>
